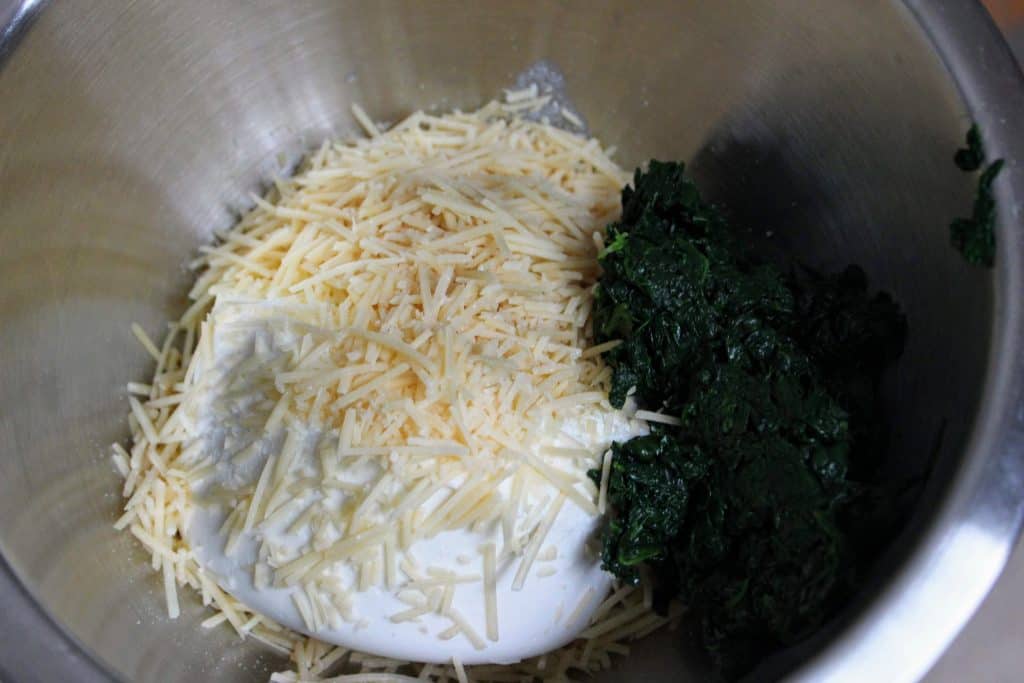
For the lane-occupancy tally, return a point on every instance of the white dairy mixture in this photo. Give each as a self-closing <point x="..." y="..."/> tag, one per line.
<point x="410" y="369"/>
<point x="230" y="408"/>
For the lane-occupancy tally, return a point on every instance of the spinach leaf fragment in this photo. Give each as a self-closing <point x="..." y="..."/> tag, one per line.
<point x="975" y="237"/>
<point x="971" y="157"/>
<point x="758" y="510"/>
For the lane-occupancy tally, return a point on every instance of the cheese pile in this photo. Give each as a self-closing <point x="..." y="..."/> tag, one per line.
<point x="422" y="300"/>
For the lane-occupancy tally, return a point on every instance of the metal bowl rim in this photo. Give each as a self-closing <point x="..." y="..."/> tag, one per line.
<point x="985" y="498"/>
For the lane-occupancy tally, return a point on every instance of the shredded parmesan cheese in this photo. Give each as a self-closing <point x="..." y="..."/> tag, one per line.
<point x="649" y="416"/>
<point x="422" y="299"/>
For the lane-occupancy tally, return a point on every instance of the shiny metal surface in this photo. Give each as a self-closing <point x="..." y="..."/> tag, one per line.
<point x="130" y="131"/>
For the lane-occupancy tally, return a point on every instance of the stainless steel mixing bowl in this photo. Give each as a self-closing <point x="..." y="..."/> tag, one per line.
<point x="129" y="131"/>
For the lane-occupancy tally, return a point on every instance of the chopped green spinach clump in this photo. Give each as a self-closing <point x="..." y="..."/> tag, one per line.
<point x="753" y="509"/>
<point x="975" y="237"/>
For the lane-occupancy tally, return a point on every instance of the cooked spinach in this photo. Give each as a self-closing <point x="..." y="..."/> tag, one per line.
<point x="755" y="509"/>
<point x="975" y="237"/>
<point x="972" y="156"/>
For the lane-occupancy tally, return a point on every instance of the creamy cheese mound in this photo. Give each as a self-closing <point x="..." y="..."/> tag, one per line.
<point x="374" y="424"/>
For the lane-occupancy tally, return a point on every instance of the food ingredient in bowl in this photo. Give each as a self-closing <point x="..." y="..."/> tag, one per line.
<point x="758" y="502"/>
<point x="388" y="366"/>
<point x="975" y="237"/>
